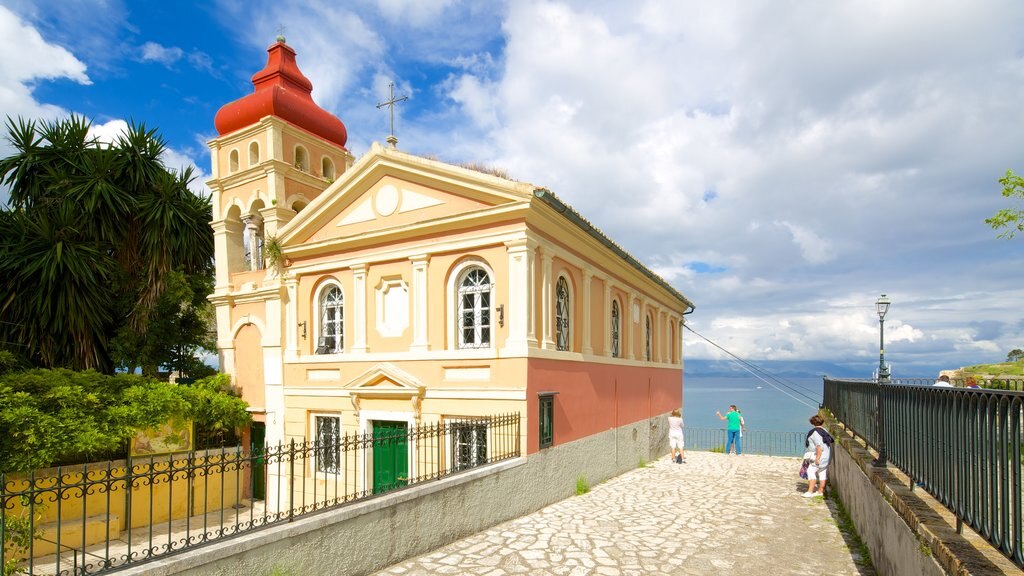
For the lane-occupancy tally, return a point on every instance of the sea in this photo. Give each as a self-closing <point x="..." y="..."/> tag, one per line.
<point x="773" y="404"/>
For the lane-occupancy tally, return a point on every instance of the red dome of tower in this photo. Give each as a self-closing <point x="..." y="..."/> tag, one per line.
<point x="281" y="91"/>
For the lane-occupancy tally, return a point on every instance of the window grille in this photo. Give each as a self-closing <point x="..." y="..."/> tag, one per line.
<point x="615" y="329"/>
<point x="332" y="322"/>
<point x="562" y="314"/>
<point x="475" y="309"/>
<point x="647" y="333"/>
<point x="469" y="444"/>
<point x="328" y="444"/>
<point x="547" y="420"/>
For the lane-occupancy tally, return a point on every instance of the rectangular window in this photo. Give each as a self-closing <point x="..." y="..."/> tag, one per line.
<point x="547" y="419"/>
<point x="469" y="444"/>
<point x="327" y="443"/>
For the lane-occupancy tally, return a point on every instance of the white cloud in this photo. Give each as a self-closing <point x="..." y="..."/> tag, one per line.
<point x="108" y="132"/>
<point x="871" y="135"/>
<point x="19" y="73"/>
<point x="417" y="12"/>
<point x="153" y="52"/>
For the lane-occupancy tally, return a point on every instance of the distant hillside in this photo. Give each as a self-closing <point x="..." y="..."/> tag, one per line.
<point x="782" y="368"/>
<point x="1001" y="370"/>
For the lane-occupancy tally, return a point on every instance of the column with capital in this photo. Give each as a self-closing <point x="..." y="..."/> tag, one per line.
<point x="547" y="299"/>
<point x="521" y="309"/>
<point x="607" y="311"/>
<point x="588" y="347"/>
<point x="634" y="315"/>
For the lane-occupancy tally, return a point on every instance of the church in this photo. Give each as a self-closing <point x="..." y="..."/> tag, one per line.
<point x="393" y="291"/>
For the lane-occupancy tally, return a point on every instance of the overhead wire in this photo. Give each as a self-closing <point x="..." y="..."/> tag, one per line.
<point x="765" y="376"/>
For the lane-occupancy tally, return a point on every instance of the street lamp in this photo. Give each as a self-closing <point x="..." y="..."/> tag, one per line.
<point x="882" y="306"/>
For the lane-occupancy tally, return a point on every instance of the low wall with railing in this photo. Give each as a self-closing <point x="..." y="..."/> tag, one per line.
<point x="373" y="533"/>
<point x="932" y="461"/>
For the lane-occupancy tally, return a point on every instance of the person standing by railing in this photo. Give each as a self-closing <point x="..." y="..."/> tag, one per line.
<point x="819" y="441"/>
<point x="734" y="428"/>
<point x="675" y="437"/>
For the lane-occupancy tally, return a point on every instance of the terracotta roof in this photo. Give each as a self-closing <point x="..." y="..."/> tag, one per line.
<point x="281" y="90"/>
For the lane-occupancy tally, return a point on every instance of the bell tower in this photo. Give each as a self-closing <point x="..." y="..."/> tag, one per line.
<point x="275" y="152"/>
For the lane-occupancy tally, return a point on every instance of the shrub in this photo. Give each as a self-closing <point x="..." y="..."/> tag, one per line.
<point x="57" y="417"/>
<point x="582" y="486"/>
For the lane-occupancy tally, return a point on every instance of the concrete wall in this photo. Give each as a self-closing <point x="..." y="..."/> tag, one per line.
<point x="371" y="535"/>
<point x="908" y="533"/>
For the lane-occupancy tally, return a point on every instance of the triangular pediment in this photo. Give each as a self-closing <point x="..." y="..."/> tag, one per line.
<point x="385" y="380"/>
<point x="391" y="190"/>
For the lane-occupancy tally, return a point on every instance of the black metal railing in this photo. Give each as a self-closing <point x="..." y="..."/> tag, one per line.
<point x="104" y="517"/>
<point x="963" y="445"/>
<point x="770" y="443"/>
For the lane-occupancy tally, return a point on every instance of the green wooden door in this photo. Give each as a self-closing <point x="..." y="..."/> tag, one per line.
<point x="257" y="448"/>
<point x="390" y="455"/>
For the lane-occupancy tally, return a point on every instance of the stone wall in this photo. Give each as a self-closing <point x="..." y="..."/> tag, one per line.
<point x="368" y="536"/>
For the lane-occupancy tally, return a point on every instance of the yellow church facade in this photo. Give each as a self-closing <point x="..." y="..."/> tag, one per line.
<point x="397" y="291"/>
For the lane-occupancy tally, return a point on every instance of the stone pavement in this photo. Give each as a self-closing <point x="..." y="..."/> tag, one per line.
<point x="716" y="514"/>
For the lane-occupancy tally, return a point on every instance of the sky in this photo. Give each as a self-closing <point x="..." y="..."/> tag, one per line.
<point x="780" y="163"/>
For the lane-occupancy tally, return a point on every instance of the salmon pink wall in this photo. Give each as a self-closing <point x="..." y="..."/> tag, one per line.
<point x="594" y="398"/>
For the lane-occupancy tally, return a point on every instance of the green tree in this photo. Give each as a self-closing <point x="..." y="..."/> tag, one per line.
<point x="1009" y="220"/>
<point x="90" y="242"/>
<point x="1015" y="355"/>
<point x="179" y="329"/>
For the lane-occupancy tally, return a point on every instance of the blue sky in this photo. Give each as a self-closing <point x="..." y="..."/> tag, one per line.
<point x="781" y="163"/>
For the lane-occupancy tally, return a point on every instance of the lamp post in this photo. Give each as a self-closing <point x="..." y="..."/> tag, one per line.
<point x="882" y="306"/>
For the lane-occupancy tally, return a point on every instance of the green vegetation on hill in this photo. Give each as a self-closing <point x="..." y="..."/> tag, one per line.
<point x="1000" y="370"/>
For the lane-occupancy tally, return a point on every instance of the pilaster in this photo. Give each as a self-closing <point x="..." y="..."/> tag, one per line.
<point x="547" y="299"/>
<point x="588" y="319"/>
<point x="359" y="308"/>
<point x="420" y="307"/>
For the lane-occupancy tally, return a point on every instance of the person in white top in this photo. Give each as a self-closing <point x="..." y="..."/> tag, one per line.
<point x="675" y="437"/>
<point x="943" y="382"/>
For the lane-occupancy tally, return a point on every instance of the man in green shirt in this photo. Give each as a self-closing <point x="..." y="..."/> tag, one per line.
<point x="734" y="428"/>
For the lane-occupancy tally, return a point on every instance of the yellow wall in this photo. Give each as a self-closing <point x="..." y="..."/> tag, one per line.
<point x="159" y="492"/>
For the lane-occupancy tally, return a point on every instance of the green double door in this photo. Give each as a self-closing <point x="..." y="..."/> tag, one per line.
<point x="390" y="455"/>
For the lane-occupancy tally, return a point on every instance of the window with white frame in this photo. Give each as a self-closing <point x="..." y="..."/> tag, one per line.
<point x="562" y="316"/>
<point x="474" y="295"/>
<point x="327" y="443"/>
<point x="332" y="321"/>
<point x="615" y="328"/>
<point x="647" y="336"/>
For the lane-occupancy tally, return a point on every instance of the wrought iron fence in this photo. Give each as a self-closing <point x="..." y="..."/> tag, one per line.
<point x="765" y="442"/>
<point x="963" y="445"/>
<point x="97" y="518"/>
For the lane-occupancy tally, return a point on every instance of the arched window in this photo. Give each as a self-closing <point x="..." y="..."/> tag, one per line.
<point x="475" y="309"/>
<point x="562" y="318"/>
<point x="615" y="328"/>
<point x="254" y="153"/>
<point x="301" y="159"/>
<point x="647" y="335"/>
<point x="332" y="322"/>
<point x="233" y="161"/>
<point x="327" y="168"/>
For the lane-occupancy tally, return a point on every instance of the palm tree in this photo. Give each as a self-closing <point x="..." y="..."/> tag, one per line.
<point x="91" y="234"/>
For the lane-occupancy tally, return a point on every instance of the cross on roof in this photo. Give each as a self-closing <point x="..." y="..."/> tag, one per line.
<point x="390" y="103"/>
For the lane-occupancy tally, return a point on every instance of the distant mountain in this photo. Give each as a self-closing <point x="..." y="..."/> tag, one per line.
<point x="782" y="368"/>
